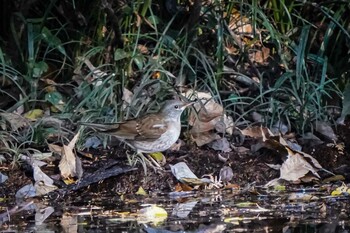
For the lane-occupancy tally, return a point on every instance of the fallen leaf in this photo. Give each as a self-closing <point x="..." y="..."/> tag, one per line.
<point x="142" y="48"/>
<point x="295" y="167"/>
<point x="26" y="192"/>
<point x="127" y="98"/>
<point x="181" y="170"/>
<point x="39" y="175"/>
<point x="3" y="178"/>
<point x="70" y="165"/>
<point x="16" y="121"/>
<point x="42" y="189"/>
<point x="69" y="222"/>
<point x="241" y="150"/>
<point x="226" y="174"/>
<point x="55" y="148"/>
<point x="152" y="213"/>
<point x="221" y="144"/>
<point x="343" y="189"/>
<point x="32" y="161"/>
<point x="141" y="191"/>
<point x="184" y="187"/>
<point x="204" y="138"/>
<point x="208" y="119"/>
<point x="159" y="157"/>
<point x="34" y="114"/>
<point x="256" y="132"/>
<point x="42" y="214"/>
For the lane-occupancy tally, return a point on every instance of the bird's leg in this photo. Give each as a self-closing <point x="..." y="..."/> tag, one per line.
<point x="132" y="160"/>
<point x="152" y="160"/>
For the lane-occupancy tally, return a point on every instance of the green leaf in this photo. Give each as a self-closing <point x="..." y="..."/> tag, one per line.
<point x="54" y="98"/>
<point x="120" y="54"/>
<point x="39" y="68"/>
<point x="52" y="40"/>
<point x="154" y="20"/>
<point x="139" y="61"/>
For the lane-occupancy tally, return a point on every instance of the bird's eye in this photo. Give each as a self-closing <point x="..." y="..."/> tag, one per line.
<point x="176" y="106"/>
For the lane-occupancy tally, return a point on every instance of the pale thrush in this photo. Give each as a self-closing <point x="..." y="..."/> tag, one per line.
<point x="150" y="133"/>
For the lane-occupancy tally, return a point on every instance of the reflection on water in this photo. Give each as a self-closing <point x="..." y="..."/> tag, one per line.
<point x="202" y="212"/>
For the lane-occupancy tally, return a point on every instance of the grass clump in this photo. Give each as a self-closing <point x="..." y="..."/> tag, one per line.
<point x="273" y="58"/>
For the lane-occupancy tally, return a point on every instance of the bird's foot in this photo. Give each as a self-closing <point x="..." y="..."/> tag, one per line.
<point x="146" y="162"/>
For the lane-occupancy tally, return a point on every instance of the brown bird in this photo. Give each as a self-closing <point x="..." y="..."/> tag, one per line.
<point x="151" y="133"/>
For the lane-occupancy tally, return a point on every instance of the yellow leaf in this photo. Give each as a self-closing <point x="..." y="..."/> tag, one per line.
<point x="340" y="190"/>
<point x="153" y="211"/>
<point x="153" y="214"/>
<point x="158" y="156"/>
<point x="141" y="191"/>
<point x="69" y="181"/>
<point x="34" y="114"/>
<point x="280" y="188"/>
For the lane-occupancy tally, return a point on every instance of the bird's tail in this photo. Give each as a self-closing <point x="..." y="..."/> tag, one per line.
<point x="105" y="127"/>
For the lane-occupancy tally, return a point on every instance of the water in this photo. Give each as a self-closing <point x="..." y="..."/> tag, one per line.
<point x="203" y="212"/>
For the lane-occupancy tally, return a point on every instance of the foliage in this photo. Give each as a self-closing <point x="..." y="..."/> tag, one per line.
<point x="157" y="49"/>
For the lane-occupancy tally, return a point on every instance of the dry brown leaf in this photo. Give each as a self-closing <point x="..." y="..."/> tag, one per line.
<point x="201" y="126"/>
<point x="256" y="132"/>
<point x="207" y="119"/>
<point x="16" y="121"/>
<point x="42" y="189"/>
<point x="241" y="149"/>
<point x="68" y="164"/>
<point x="207" y="109"/>
<point x="221" y="144"/>
<point x="297" y="164"/>
<point x="204" y="138"/>
<point x="127" y="98"/>
<point x="296" y="167"/>
<point x="142" y="48"/>
<point x="56" y="149"/>
<point x="260" y="56"/>
<point x="39" y="175"/>
<point x="240" y="24"/>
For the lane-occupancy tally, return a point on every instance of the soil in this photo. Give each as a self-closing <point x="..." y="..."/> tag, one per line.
<point x="247" y="168"/>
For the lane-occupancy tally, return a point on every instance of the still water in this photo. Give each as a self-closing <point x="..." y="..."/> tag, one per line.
<point x="301" y="210"/>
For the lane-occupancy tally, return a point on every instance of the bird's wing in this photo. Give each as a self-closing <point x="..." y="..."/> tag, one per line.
<point x="122" y="130"/>
<point x="126" y="130"/>
<point x="151" y="127"/>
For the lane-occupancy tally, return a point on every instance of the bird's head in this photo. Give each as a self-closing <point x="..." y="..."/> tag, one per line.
<point x="174" y="108"/>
